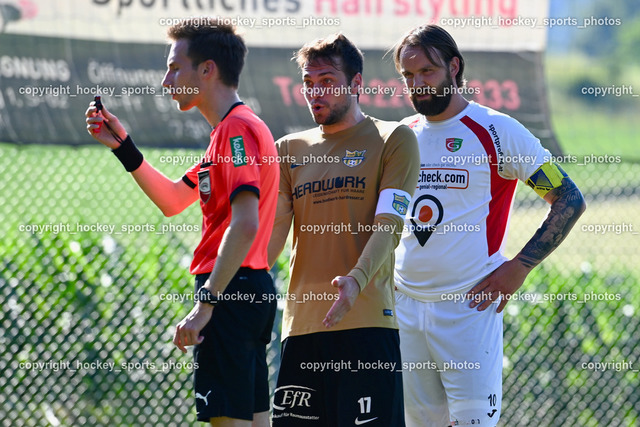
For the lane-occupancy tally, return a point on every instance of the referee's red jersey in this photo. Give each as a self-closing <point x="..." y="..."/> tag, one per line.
<point x="241" y="157"/>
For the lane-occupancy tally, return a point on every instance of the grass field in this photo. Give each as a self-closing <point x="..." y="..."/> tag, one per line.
<point x="585" y="125"/>
<point x="86" y="186"/>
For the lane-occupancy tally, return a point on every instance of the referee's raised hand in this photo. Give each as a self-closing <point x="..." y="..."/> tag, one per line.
<point x="104" y="126"/>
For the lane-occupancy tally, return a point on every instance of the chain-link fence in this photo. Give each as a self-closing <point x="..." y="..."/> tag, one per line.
<point x="93" y="280"/>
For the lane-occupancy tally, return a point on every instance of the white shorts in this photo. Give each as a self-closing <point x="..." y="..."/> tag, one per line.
<point x="451" y="363"/>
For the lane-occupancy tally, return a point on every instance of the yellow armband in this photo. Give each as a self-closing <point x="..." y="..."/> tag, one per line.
<point x="546" y="178"/>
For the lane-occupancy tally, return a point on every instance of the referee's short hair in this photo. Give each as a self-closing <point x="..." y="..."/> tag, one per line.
<point x="330" y="48"/>
<point x="216" y="41"/>
<point x="436" y="43"/>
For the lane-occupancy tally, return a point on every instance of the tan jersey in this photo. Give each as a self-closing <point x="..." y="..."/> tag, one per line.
<point x="330" y="185"/>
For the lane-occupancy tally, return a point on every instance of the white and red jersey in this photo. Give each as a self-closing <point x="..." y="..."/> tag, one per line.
<point x="456" y="223"/>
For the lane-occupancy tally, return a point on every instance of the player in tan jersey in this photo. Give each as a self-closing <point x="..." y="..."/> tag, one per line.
<point x="331" y="191"/>
<point x="346" y="185"/>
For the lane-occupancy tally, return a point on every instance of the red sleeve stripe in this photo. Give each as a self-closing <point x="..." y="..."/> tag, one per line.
<point x="413" y="123"/>
<point x="502" y="190"/>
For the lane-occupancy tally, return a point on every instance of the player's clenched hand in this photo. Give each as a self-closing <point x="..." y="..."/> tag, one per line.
<point x="503" y="282"/>
<point x="188" y="330"/>
<point x="96" y="126"/>
<point x="348" y="292"/>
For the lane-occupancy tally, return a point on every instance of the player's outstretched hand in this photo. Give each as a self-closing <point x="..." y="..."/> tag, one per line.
<point x="188" y="330"/>
<point x="349" y="291"/>
<point x="502" y="283"/>
<point x="96" y="126"/>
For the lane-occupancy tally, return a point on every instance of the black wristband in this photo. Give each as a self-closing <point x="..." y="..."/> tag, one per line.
<point x="205" y="295"/>
<point x="129" y="155"/>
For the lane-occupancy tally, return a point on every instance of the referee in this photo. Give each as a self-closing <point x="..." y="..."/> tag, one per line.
<point x="238" y="199"/>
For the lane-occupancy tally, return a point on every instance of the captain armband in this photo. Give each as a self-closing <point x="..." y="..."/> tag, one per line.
<point x="393" y="201"/>
<point x="546" y="178"/>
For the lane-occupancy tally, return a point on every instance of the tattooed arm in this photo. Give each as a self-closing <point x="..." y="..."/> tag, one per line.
<point x="567" y="204"/>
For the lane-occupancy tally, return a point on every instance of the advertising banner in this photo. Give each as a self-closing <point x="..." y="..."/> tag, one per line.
<point x="56" y="55"/>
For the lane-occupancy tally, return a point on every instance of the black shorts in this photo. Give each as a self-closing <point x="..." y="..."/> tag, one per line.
<point x="231" y="374"/>
<point x="342" y="378"/>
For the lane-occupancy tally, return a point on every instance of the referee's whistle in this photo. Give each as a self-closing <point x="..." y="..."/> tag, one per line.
<point x="98" y="104"/>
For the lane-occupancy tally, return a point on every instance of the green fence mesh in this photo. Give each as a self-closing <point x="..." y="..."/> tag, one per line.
<point x="93" y="280"/>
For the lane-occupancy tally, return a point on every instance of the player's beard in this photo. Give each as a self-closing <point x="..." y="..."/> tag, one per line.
<point x="336" y="113"/>
<point x="438" y="102"/>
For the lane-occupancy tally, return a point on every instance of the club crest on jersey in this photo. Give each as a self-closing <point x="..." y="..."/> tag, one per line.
<point x="204" y="185"/>
<point x="400" y="203"/>
<point x="353" y="158"/>
<point x="453" y="144"/>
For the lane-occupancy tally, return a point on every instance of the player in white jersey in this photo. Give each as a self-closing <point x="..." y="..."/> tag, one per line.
<point x="450" y="265"/>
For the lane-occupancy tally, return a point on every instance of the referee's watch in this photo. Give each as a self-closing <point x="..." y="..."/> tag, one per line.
<point x="205" y="295"/>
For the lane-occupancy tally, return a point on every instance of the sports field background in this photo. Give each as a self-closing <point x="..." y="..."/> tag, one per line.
<point x="74" y="301"/>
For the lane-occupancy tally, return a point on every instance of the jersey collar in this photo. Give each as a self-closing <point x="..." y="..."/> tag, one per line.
<point x="231" y="108"/>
